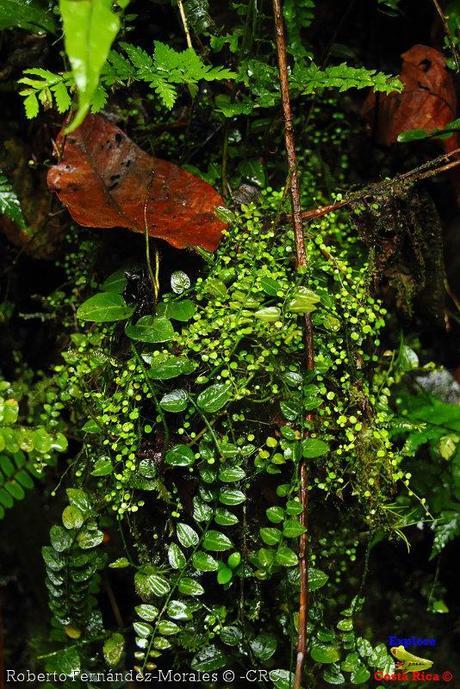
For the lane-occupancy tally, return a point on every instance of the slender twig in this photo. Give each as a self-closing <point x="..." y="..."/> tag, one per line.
<point x="430" y="169"/>
<point x="154" y="276"/>
<point x="448" y="32"/>
<point x="301" y="257"/>
<point x="183" y="17"/>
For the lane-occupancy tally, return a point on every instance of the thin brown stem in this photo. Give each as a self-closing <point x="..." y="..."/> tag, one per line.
<point x="419" y="174"/>
<point x="301" y="257"/>
<point x="448" y="33"/>
<point x="184" y="21"/>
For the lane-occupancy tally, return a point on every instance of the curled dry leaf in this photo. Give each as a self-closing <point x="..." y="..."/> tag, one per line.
<point x="427" y="102"/>
<point x="106" y="180"/>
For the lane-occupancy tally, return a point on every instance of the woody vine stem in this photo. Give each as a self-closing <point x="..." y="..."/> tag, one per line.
<point x="301" y="258"/>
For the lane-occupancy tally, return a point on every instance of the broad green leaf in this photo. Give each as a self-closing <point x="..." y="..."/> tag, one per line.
<point x="316" y="579"/>
<point x="275" y="514"/>
<point x="204" y="562"/>
<point x="224" y="517"/>
<point x="264" y="646"/>
<point x="224" y="574"/>
<point x="42" y="440"/>
<point x="303" y="300"/>
<point x="90" y="538"/>
<point x="113" y="649"/>
<point x="174" y="401"/>
<point x="180" y="456"/>
<point x="216" y="541"/>
<point x="104" y="307"/>
<point x="190" y="587"/>
<point x="146" y="612"/>
<point x="332" y="674"/>
<point x="231" y="635"/>
<point x="181" y="311"/>
<point x="231" y="474"/>
<point x="324" y="653"/>
<point x="142" y="629"/>
<point x="168" y="628"/>
<point x="269" y="314"/>
<point x="313" y="447"/>
<point x="286" y="557"/>
<point x="214" y="398"/>
<point x="293" y="529"/>
<point x="72" y="517"/>
<point x="167" y="366"/>
<point x="119" y="563"/>
<point x="148" y="583"/>
<point x="360" y="675"/>
<point x="269" y="285"/>
<point x="151" y="329"/>
<point x="103" y="467"/>
<point x="270" y="535"/>
<point x="208" y="659"/>
<point x="60" y="538"/>
<point x="231" y="496"/>
<point x="116" y="282"/>
<point x="178" y="610"/>
<point x="26" y="14"/>
<point x="176" y="557"/>
<point x="234" y="560"/>
<point x="80" y="499"/>
<point x="282" y="679"/>
<point x="65" y="662"/>
<point x="90" y="27"/>
<point x="186" y="536"/>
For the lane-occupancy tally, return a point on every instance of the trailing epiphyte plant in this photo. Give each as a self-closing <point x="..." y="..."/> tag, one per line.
<point x="24" y="450"/>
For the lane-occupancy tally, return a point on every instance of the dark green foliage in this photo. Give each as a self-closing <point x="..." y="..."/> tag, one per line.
<point x="182" y="415"/>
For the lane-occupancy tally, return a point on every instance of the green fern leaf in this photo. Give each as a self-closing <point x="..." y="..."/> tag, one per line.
<point x="62" y="97"/>
<point x="311" y="78"/>
<point x="9" y="203"/>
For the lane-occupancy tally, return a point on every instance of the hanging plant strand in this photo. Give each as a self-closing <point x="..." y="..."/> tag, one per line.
<point x="301" y="259"/>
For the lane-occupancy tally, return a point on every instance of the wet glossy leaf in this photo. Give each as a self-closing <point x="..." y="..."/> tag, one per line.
<point x="104" y="307"/>
<point x="316" y="579"/>
<point x="204" y="562"/>
<point x="113" y="649"/>
<point x="214" y="398"/>
<point x="186" y="536"/>
<point x="313" y="447"/>
<point x="216" y="541"/>
<point x="324" y="653"/>
<point x="180" y="456"/>
<point x="151" y="329"/>
<point x="208" y="659"/>
<point x="167" y="366"/>
<point x="176" y="557"/>
<point x="174" y="401"/>
<point x="72" y="517"/>
<point x="181" y="311"/>
<point x="264" y="646"/>
<point x="90" y="26"/>
<point x="190" y="587"/>
<point x="231" y="497"/>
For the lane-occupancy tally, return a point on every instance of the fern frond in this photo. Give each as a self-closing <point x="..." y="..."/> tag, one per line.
<point x="9" y="202"/>
<point x="47" y="88"/>
<point x="311" y="78"/>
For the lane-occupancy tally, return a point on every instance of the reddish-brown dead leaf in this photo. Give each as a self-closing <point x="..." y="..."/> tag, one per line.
<point x="106" y="180"/>
<point x="428" y="100"/>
